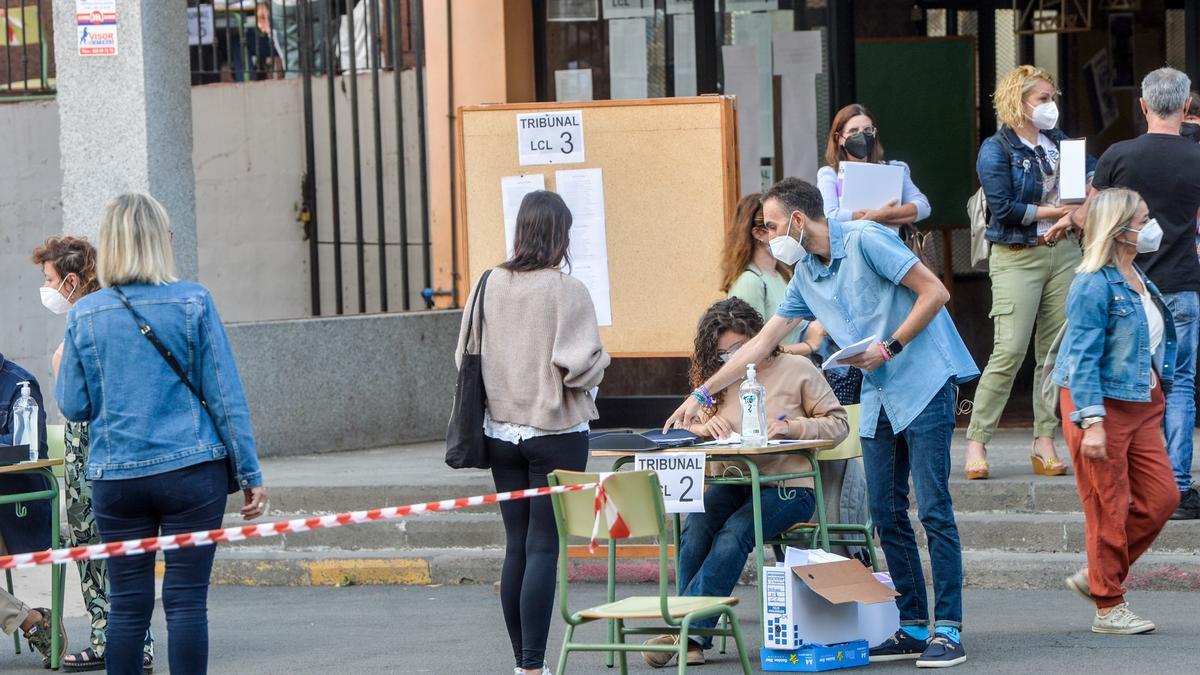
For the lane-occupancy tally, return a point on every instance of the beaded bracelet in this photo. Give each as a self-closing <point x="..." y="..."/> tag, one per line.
<point x="883" y="350"/>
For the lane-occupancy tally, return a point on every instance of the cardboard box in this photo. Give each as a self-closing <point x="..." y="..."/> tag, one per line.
<point x="815" y="658"/>
<point x="817" y="602"/>
<point x="881" y="620"/>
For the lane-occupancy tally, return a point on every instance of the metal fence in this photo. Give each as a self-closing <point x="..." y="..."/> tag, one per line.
<point x="242" y="40"/>
<point x="27" y="59"/>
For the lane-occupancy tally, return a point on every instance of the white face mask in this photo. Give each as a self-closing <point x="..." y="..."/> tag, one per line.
<point x="1149" y="237"/>
<point x="785" y="249"/>
<point x="53" y="300"/>
<point x="1045" y="116"/>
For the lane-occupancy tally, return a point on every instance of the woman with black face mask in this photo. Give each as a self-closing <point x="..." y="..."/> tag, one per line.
<point x="854" y="138"/>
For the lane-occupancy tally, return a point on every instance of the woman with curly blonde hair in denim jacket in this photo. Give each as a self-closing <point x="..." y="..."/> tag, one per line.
<point x="1030" y="271"/>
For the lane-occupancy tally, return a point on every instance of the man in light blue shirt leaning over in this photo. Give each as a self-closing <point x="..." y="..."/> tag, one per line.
<point x="860" y="281"/>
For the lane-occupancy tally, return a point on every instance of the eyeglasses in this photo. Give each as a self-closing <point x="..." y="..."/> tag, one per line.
<point x="865" y="130"/>
<point x="725" y="355"/>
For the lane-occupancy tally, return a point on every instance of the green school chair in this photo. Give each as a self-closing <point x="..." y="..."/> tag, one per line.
<point x="639" y="498"/>
<point x="57" y="442"/>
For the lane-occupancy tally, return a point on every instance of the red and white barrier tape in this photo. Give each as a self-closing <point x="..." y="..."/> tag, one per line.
<point x="60" y="556"/>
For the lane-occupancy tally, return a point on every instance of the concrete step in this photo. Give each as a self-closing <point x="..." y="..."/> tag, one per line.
<point x="1056" y="533"/>
<point x="1017" y="494"/>
<point x="1023" y="532"/>
<point x="982" y="569"/>
<point x="440" y="530"/>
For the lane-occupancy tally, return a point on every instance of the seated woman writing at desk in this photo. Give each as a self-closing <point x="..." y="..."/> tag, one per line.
<point x="799" y="405"/>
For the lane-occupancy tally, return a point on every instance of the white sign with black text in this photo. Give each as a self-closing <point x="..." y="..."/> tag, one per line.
<point x="550" y="137"/>
<point x="681" y="476"/>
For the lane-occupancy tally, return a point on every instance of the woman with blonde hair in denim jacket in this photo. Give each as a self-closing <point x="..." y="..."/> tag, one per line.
<point x="1117" y="356"/>
<point x="164" y="452"/>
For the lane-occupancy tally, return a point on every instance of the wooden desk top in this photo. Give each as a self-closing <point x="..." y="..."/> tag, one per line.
<point x="724" y="450"/>
<point x="25" y="466"/>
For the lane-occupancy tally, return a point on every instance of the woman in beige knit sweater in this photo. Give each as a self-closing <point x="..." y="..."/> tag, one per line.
<point x="799" y="404"/>
<point x="541" y="355"/>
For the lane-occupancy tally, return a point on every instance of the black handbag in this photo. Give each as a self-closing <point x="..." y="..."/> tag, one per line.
<point x="167" y="356"/>
<point x="465" y="447"/>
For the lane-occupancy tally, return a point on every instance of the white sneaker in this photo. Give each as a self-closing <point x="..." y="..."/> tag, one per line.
<point x="545" y="670"/>
<point x="1078" y="582"/>
<point x="1121" y="621"/>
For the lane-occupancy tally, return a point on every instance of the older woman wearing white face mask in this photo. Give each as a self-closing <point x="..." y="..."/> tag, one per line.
<point x="69" y="267"/>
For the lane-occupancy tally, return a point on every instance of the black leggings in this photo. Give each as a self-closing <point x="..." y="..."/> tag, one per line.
<point x="531" y="539"/>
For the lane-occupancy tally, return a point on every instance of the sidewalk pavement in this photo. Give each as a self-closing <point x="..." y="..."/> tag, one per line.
<point x="459" y="629"/>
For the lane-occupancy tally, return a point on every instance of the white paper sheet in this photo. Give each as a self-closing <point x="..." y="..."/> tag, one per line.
<point x="838" y="358"/>
<point x="1072" y="171"/>
<point x="755" y="30"/>
<point x="797" y="60"/>
<point x="512" y="190"/>
<point x="742" y="81"/>
<point x="868" y="186"/>
<point x="684" y="26"/>
<point x="583" y="191"/>
<point x="627" y="58"/>
<point x="573" y="85"/>
<point x="627" y="9"/>
<point x="797" y="52"/>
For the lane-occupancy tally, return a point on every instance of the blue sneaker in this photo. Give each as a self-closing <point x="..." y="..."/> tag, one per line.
<point x="943" y="652"/>
<point x="898" y="647"/>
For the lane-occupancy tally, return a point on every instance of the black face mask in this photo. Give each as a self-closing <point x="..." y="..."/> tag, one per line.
<point x="1190" y="131"/>
<point x="860" y="145"/>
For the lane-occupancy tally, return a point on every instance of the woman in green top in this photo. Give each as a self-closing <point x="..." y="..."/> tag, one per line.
<point x="749" y="272"/>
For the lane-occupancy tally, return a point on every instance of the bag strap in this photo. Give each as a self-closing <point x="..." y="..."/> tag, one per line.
<point x="148" y="332"/>
<point x="477" y="308"/>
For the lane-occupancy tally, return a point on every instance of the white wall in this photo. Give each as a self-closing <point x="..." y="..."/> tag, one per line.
<point x="248" y="153"/>
<point x="30" y="211"/>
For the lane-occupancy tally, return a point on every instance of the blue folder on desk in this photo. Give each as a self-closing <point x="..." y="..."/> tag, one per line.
<point x="647" y="440"/>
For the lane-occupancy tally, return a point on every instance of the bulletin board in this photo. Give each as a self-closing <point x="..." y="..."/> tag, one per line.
<point x="922" y="94"/>
<point x="670" y="184"/>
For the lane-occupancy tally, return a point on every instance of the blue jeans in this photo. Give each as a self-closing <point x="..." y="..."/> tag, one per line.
<point x="922" y="450"/>
<point x="1180" y="418"/>
<point x="183" y="500"/>
<point x="714" y="544"/>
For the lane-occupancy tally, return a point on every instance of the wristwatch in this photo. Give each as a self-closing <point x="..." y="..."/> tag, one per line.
<point x="893" y="347"/>
<point x="1089" y="421"/>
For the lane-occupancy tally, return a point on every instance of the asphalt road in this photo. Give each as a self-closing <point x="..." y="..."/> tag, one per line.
<point x="458" y="629"/>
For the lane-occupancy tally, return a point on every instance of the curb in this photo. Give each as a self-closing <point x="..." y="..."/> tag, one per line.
<point x="983" y="569"/>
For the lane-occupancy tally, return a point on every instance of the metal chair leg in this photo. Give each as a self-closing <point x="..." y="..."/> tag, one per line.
<point x="16" y="634"/>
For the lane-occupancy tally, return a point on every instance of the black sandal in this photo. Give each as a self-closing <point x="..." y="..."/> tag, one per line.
<point x="84" y="661"/>
<point x="89" y="660"/>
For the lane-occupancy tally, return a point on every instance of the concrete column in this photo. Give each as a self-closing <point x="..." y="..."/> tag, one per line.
<point x="126" y="120"/>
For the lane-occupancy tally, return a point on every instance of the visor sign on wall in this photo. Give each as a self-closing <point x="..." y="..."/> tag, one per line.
<point x="550" y="137"/>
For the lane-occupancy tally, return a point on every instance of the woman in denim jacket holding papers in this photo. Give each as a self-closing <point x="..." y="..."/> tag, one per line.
<point x="1117" y="356"/>
<point x="159" y="462"/>
<point x="1018" y="170"/>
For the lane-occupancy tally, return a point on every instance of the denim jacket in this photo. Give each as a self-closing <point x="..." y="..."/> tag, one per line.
<point x="1105" y="350"/>
<point x="143" y="419"/>
<point x="1012" y="182"/>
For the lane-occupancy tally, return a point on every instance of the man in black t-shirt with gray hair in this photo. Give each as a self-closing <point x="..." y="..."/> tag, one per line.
<point x="1164" y="168"/>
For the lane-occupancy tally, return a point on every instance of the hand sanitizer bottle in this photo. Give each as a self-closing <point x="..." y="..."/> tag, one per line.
<point x="25" y="422"/>
<point x="754" y="414"/>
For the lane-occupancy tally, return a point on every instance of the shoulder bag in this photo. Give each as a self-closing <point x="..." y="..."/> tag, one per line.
<point x="162" y="350"/>
<point x="465" y="446"/>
